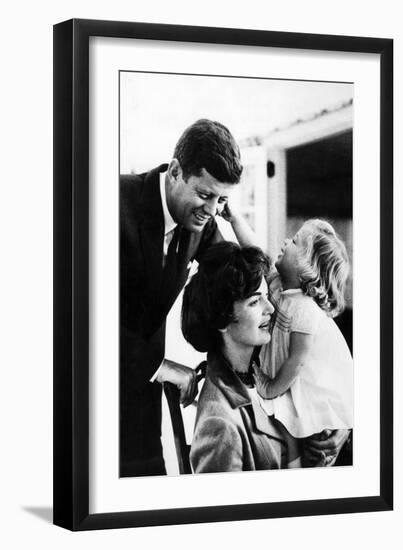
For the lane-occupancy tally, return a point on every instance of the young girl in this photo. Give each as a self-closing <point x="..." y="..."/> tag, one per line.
<point x="306" y="374"/>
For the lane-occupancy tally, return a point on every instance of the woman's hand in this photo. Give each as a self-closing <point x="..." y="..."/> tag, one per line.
<point x="323" y="449"/>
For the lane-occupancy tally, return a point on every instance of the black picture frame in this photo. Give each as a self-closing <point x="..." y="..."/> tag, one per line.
<point x="71" y="273"/>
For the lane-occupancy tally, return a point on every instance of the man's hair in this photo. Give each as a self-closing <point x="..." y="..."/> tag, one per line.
<point x="208" y="144"/>
<point x="323" y="266"/>
<point x="226" y="274"/>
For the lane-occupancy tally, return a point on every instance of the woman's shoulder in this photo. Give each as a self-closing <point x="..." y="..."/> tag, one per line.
<point x="213" y="402"/>
<point x="212" y="399"/>
<point x="209" y="394"/>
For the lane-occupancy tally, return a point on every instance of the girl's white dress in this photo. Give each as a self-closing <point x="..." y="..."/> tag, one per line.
<point x="322" y="395"/>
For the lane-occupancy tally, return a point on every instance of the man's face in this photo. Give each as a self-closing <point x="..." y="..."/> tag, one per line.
<point x="194" y="202"/>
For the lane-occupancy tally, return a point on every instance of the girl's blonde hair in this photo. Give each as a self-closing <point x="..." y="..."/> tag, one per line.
<point x="323" y="266"/>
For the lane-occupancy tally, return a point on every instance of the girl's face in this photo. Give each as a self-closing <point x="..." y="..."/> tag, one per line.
<point x="251" y="320"/>
<point x="287" y="261"/>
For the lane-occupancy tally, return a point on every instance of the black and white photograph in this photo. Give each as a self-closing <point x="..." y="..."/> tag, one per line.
<point x="201" y="258"/>
<point x="236" y="274"/>
<point x="226" y="255"/>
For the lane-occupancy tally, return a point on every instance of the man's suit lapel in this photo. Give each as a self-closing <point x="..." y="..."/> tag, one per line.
<point x="151" y="228"/>
<point x="151" y="231"/>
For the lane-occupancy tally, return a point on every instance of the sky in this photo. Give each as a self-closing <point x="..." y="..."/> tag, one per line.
<point x="156" y="108"/>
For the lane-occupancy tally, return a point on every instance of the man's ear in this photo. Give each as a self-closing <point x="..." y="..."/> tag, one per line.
<point x="174" y="170"/>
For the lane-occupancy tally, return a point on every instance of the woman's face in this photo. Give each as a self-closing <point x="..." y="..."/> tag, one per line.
<point x="251" y="319"/>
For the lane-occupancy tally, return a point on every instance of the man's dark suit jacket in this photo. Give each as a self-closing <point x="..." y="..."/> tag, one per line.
<point x="145" y="300"/>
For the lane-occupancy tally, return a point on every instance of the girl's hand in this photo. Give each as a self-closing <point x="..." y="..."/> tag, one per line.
<point x="262" y="382"/>
<point x="227" y="213"/>
<point x="243" y="232"/>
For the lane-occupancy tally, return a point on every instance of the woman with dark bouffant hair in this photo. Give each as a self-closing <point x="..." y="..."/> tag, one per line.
<point x="226" y="313"/>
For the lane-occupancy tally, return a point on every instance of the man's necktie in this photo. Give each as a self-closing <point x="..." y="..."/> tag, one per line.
<point x="171" y="261"/>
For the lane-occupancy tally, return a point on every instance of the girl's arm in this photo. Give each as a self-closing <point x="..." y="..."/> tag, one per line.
<point x="270" y="388"/>
<point x="243" y="232"/>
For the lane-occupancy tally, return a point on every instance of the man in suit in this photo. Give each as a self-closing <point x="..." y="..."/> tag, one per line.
<point x="166" y="222"/>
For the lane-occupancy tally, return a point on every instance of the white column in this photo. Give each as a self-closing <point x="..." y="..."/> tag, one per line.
<point x="276" y="201"/>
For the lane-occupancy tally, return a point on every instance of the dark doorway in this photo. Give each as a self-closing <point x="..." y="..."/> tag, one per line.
<point x="320" y="185"/>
